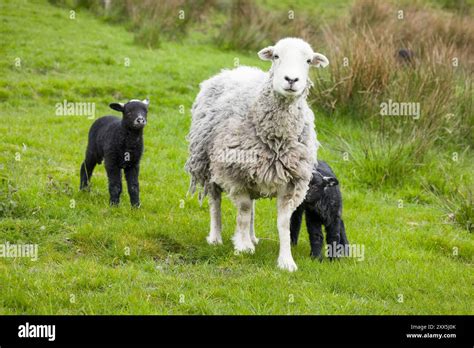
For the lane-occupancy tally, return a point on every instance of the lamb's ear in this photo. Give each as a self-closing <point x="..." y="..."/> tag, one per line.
<point x="117" y="106"/>
<point x="146" y="102"/>
<point x="266" y="53"/>
<point x="319" y="60"/>
<point x="330" y="181"/>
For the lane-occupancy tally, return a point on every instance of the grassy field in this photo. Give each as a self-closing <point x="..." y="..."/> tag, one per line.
<point x="94" y="259"/>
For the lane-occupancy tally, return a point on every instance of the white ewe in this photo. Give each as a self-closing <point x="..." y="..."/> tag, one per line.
<point x="252" y="136"/>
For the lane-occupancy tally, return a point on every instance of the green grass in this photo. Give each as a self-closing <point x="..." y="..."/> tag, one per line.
<point x="83" y="267"/>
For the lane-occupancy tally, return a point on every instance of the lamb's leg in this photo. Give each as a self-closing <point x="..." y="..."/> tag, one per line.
<point x="241" y="239"/>
<point x="337" y="230"/>
<point x="333" y="237"/>
<point x="313" y="225"/>
<point x="286" y="206"/>
<point x="87" y="168"/>
<point x="131" y="175"/>
<point x="114" y="174"/>
<point x="253" y="238"/>
<point x="295" y="224"/>
<point x="214" y="236"/>
<point x="344" y="240"/>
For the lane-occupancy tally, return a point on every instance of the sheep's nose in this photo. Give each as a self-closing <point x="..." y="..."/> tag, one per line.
<point x="141" y="120"/>
<point x="291" y="81"/>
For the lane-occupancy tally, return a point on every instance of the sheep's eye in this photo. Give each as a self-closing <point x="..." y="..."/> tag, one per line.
<point x="308" y="61"/>
<point x="276" y="56"/>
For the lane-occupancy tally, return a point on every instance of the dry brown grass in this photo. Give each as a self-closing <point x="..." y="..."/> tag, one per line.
<point x="250" y="27"/>
<point x="369" y="43"/>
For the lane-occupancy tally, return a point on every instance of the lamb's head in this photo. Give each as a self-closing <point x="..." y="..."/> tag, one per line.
<point x="134" y="112"/>
<point x="291" y="59"/>
<point x="318" y="185"/>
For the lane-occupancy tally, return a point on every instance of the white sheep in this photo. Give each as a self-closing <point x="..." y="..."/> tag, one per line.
<point x="252" y="136"/>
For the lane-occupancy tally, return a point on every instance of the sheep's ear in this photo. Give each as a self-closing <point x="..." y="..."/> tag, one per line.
<point x="319" y="60"/>
<point x="330" y="181"/>
<point x="146" y="102"/>
<point x="117" y="106"/>
<point x="266" y="53"/>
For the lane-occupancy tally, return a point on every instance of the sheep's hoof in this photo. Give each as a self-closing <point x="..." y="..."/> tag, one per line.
<point x="287" y="264"/>
<point x="238" y="251"/>
<point x="214" y="240"/>
<point x="242" y="245"/>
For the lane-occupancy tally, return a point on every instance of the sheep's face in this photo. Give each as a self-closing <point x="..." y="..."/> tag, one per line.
<point x="291" y="59"/>
<point x="134" y="113"/>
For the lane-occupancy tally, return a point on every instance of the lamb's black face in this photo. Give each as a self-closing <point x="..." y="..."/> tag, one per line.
<point x="318" y="184"/>
<point x="134" y="113"/>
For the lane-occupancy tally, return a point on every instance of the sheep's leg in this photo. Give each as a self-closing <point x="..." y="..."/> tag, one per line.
<point x="114" y="174"/>
<point x="295" y="224"/>
<point x="253" y="238"/>
<point x="241" y="239"/>
<point x="214" y="236"/>
<point x="313" y="225"/>
<point x="87" y="168"/>
<point x="286" y="206"/>
<point x="131" y="176"/>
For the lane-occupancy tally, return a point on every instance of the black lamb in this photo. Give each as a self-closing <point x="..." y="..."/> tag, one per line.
<point x="322" y="206"/>
<point x="119" y="142"/>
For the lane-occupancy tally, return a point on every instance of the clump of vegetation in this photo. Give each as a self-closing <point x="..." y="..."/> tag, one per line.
<point x="449" y="183"/>
<point x="458" y="205"/>
<point x="378" y="161"/>
<point x="151" y="21"/>
<point x="379" y="57"/>
<point x="252" y="27"/>
<point x="247" y="27"/>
